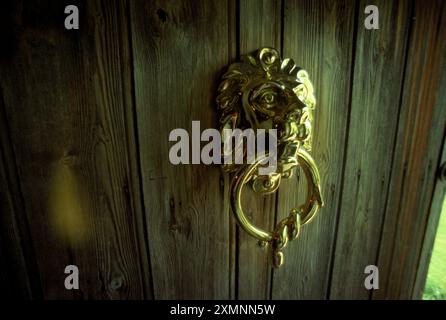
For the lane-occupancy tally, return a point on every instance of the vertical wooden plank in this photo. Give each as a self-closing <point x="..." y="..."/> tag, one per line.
<point x="14" y="276"/>
<point x="377" y="82"/>
<point x="318" y="35"/>
<point x="17" y="266"/>
<point x="435" y="212"/>
<point x="180" y="49"/>
<point x="66" y="105"/>
<point x="260" y="26"/>
<point x="420" y="133"/>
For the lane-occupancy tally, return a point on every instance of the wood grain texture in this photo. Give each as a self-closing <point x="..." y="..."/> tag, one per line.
<point x="85" y="117"/>
<point x="420" y="136"/>
<point x="14" y="276"/>
<point x="180" y="49"/>
<point x="66" y="107"/>
<point x="17" y="261"/>
<point x="377" y="83"/>
<point x="430" y="233"/>
<point x="260" y="25"/>
<point x="318" y="35"/>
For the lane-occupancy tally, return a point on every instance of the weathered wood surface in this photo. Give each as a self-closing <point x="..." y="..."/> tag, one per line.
<point x="260" y="26"/>
<point x="377" y="82"/>
<point x="85" y="118"/>
<point x="17" y="260"/>
<point x="318" y="35"/>
<point x="422" y="123"/>
<point x="180" y="50"/>
<point x="67" y="104"/>
<point x="432" y="226"/>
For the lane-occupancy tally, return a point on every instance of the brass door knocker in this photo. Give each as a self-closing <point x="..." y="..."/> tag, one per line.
<point x="265" y="92"/>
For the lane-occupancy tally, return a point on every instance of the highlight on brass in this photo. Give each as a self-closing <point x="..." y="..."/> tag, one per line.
<point x="262" y="91"/>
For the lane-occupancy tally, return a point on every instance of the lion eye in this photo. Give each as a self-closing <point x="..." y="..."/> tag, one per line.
<point x="268" y="99"/>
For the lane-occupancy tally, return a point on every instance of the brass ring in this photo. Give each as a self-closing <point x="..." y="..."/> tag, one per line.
<point x="305" y="212"/>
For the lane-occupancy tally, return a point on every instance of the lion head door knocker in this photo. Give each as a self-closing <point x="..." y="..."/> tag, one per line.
<point x="265" y="92"/>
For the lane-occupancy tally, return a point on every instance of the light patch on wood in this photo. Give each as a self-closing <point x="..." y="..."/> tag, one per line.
<point x="68" y="205"/>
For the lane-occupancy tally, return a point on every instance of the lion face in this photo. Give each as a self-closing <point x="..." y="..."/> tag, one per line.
<point x="265" y="92"/>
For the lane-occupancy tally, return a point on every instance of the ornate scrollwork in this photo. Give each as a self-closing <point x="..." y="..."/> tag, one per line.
<point x="265" y="92"/>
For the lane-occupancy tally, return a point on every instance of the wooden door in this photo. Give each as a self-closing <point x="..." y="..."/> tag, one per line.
<point x="85" y="117"/>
